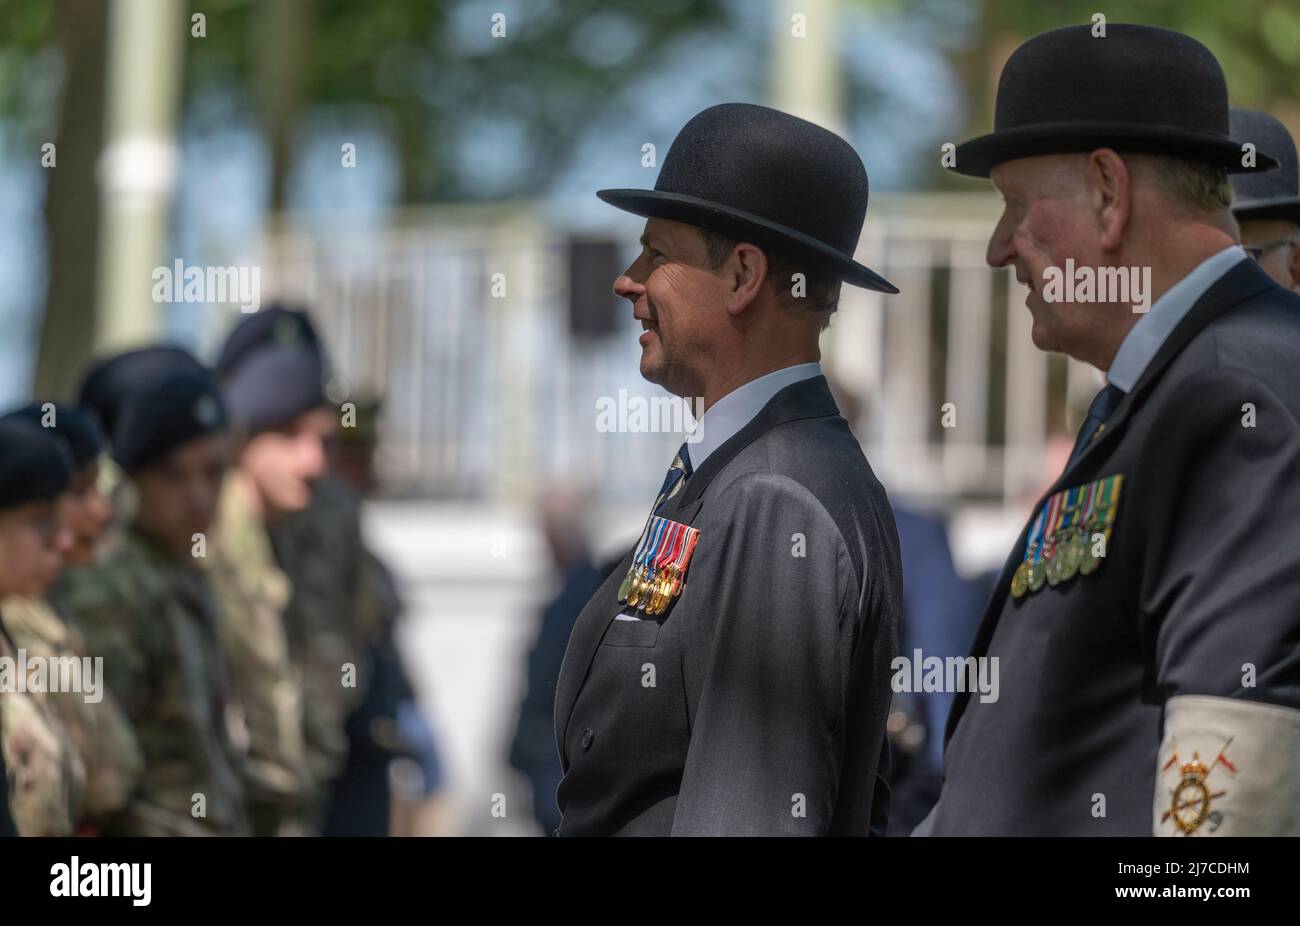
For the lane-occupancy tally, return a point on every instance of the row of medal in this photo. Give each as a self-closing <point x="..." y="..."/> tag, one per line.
<point x="659" y="565"/>
<point x="1060" y="545"/>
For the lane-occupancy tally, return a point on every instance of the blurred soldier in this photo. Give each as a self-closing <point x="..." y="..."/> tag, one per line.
<point x="253" y="593"/>
<point x="387" y="730"/>
<point x="1146" y="620"/>
<point x="272" y="372"/>
<point x="41" y="766"/>
<point x="149" y="608"/>
<point x="1267" y="204"/>
<point x="103" y="389"/>
<point x="99" y="730"/>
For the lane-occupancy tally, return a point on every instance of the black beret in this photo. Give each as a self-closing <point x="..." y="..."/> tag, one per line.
<point x="172" y="409"/>
<point x="111" y="379"/>
<point x="35" y="465"/>
<point x="79" y="427"/>
<point x="272" y="368"/>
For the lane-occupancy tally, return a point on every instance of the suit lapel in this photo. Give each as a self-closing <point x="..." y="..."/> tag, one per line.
<point x="809" y="398"/>
<point x="1244" y="280"/>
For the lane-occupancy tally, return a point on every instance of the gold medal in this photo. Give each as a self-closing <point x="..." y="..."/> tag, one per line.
<point x="637" y="593"/>
<point x="1054" y="559"/>
<point x="1088" y="565"/>
<point x="1037" y="576"/>
<point x="1072" y="557"/>
<point x="1020" y="581"/>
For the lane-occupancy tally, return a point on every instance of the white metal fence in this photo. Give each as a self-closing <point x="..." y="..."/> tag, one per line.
<point x="488" y="396"/>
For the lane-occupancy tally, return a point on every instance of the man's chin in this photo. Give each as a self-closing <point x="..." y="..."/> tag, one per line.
<point x="652" y="369"/>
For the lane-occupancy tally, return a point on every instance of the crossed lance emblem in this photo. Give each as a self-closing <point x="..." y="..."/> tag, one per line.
<point x="1190" y="799"/>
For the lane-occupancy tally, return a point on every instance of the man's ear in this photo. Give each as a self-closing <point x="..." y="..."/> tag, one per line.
<point x="1110" y="193"/>
<point x="746" y="271"/>
<point x="1294" y="267"/>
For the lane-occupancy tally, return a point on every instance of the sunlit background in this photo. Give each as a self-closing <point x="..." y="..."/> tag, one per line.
<point x="223" y="141"/>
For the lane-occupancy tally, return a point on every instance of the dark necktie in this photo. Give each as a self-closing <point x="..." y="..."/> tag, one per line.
<point x="677" y="475"/>
<point x="1102" y="407"/>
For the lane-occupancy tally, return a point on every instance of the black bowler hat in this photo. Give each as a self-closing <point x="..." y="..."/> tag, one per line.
<point x="1137" y="89"/>
<point x="1273" y="194"/>
<point x="765" y="176"/>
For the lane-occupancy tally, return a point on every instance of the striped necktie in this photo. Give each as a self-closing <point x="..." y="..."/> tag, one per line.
<point x="1102" y="407"/>
<point x="677" y="475"/>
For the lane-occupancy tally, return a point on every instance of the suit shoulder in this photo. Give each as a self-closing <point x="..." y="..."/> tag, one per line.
<point x="1261" y="335"/>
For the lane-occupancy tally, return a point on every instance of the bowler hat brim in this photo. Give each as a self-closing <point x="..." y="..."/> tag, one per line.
<point x="737" y="223"/>
<point x="977" y="157"/>
<point x="1277" y="207"/>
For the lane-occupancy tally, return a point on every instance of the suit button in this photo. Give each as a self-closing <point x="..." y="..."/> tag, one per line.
<point x="587" y="737"/>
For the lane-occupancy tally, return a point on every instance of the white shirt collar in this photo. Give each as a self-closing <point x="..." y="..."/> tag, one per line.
<point x="1143" y="340"/>
<point x="737" y="408"/>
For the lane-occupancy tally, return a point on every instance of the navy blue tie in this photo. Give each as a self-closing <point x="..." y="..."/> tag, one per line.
<point x="678" y="473"/>
<point x="1102" y="407"/>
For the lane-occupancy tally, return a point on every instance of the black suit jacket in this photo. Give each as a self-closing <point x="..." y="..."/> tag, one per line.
<point x="1201" y="576"/>
<point x="756" y="704"/>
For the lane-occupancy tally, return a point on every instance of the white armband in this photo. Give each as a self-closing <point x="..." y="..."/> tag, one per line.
<point x="1228" y="767"/>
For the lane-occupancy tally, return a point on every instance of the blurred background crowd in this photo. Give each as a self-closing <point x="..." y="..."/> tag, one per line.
<point x="417" y="177"/>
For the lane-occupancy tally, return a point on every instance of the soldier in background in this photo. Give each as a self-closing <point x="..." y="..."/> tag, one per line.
<point x="41" y="768"/>
<point x="272" y="372"/>
<point x="149" y="609"/>
<point x="103" y="389"/>
<point x="103" y="739"/>
<point x="393" y="767"/>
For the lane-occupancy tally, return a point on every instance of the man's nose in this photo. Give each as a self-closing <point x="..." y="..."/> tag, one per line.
<point x="1001" y="250"/>
<point x="627" y="287"/>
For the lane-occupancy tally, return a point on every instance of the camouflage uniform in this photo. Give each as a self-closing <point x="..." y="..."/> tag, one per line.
<point x="320" y="549"/>
<point x="42" y="766"/>
<point x="253" y="592"/>
<point x="99" y="732"/>
<point x="153" y="620"/>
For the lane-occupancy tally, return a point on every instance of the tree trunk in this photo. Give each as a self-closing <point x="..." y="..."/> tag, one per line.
<point x="72" y="201"/>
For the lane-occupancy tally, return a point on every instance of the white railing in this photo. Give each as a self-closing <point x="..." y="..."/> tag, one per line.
<point x="491" y="398"/>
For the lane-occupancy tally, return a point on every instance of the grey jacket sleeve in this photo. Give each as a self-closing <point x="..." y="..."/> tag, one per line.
<point x="765" y="749"/>
<point x="1219" y="567"/>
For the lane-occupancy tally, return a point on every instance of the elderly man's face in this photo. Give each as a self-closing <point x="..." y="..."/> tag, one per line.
<point x="1275" y="245"/>
<point x="1045" y="221"/>
<point x="679" y="302"/>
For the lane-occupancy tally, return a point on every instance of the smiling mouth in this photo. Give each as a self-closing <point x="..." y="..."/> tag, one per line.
<point x="648" y="325"/>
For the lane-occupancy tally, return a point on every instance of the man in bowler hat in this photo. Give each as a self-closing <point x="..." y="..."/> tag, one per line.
<point x="1146" y="620"/>
<point x="1267" y="204"/>
<point x="732" y="675"/>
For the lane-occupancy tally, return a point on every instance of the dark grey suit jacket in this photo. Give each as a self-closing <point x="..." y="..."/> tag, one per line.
<point x="1202" y="576"/>
<point x="756" y="704"/>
